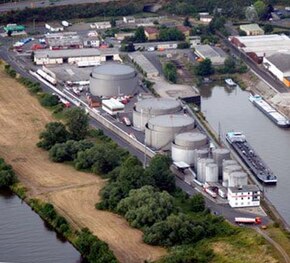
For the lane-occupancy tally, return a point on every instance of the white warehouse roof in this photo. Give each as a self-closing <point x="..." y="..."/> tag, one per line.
<point x="281" y="61"/>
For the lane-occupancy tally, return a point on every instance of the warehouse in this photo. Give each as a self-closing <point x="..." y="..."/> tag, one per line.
<point x="252" y="29"/>
<point x="215" y="54"/>
<point x="67" y="40"/>
<point x="245" y="196"/>
<point x="279" y="65"/>
<point x="261" y="46"/>
<point x="72" y="56"/>
<point x="161" y="130"/>
<point x="113" y="79"/>
<point x="149" y="69"/>
<point x="149" y="108"/>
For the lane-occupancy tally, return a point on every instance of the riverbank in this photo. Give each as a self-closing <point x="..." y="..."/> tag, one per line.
<point x="74" y="193"/>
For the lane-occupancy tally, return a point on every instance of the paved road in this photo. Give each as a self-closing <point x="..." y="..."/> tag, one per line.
<point x="257" y="69"/>
<point x="275" y="244"/>
<point x="19" y="5"/>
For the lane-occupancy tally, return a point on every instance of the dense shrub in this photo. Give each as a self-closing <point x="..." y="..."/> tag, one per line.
<point x="7" y="175"/>
<point x="49" y="100"/>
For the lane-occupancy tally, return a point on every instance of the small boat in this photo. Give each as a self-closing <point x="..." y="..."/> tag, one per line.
<point x="230" y="82"/>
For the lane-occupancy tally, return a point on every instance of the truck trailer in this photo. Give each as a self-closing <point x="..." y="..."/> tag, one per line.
<point x="248" y="220"/>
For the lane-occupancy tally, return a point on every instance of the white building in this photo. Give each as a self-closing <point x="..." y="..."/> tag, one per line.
<point x="205" y="18"/>
<point x="252" y="29"/>
<point x="215" y="54"/>
<point x="101" y="25"/>
<point x="113" y="106"/>
<point x="279" y="65"/>
<point x="129" y="19"/>
<point x="72" y="56"/>
<point x="246" y="196"/>
<point x="194" y="41"/>
<point x="91" y="42"/>
<point x="54" y="27"/>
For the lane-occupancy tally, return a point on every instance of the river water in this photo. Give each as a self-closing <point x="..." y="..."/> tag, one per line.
<point x="24" y="237"/>
<point x="233" y="111"/>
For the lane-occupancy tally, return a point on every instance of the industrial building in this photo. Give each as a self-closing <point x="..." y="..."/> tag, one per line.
<point x="54" y="27"/>
<point x="215" y="54"/>
<point x="185" y="145"/>
<point x="245" y="196"/>
<point x="258" y="47"/>
<point x="72" y="56"/>
<point x="149" y="69"/>
<point x="66" y="40"/>
<point x="279" y="65"/>
<point x="129" y="19"/>
<point x="101" y="25"/>
<point x="252" y="29"/>
<point x="113" y="79"/>
<point x="149" y="108"/>
<point x="161" y="130"/>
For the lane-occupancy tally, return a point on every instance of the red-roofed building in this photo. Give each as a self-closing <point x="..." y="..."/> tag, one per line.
<point x="184" y="29"/>
<point x="151" y="33"/>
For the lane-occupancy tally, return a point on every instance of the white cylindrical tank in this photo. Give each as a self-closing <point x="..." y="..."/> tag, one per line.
<point x="225" y="183"/>
<point x="237" y="179"/>
<point x="184" y="146"/>
<point x="230" y="169"/>
<point x="229" y="162"/>
<point x="199" y="154"/>
<point x="211" y="173"/>
<point x="152" y="107"/>
<point x="161" y="130"/>
<point x="219" y="155"/>
<point x="201" y="164"/>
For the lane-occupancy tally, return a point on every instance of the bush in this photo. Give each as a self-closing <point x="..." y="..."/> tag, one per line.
<point x="49" y="100"/>
<point x="7" y="175"/>
<point x="170" y="72"/>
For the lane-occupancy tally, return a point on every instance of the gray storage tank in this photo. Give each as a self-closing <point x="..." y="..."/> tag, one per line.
<point x="113" y="79"/>
<point x="149" y="108"/>
<point x="211" y="173"/>
<point x="200" y="154"/>
<point x="219" y="155"/>
<point x="238" y="179"/>
<point x="201" y="165"/>
<point x="185" y="145"/>
<point x="161" y="130"/>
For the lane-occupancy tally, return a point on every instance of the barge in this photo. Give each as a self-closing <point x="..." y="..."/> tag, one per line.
<point x="278" y="118"/>
<point x="239" y="143"/>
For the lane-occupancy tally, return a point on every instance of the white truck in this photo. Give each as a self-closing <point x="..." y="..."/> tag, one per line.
<point x="248" y="220"/>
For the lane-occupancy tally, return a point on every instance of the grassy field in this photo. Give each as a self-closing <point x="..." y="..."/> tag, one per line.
<point x="73" y="193"/>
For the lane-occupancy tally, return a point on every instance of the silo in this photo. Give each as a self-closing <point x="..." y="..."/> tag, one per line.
<point x="219" y="155"/>
<point x="211" y="172"/>
<point x="201" y="165"/>
<point x="152" y="107"/>
<point x="237" y="179"/>
<point x="185" y="144"/>
<point x="160" y="130"/>
<point x="199" y="154"/>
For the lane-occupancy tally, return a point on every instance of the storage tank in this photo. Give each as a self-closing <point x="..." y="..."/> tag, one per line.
<point x="201" y="165"/>
<point x="161" y="130"/>
<point x="113" y="79"/>
<point x="200" y="154"/>
<point x="219" y="155"/>
<point x="230" y="169"/>
<point x="211" y="172"/>
<point x="152" y="107"/>
<point x="237" y="179"/>
<point x="185" y="144"/>
<point x="229" y="162"/>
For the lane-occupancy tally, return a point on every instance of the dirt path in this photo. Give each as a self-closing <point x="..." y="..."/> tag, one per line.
<point x="73" y="193"/>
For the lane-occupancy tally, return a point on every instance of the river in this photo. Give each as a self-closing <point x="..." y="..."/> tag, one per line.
<point x="24" y="237"/>
<point x="232" y="109"/>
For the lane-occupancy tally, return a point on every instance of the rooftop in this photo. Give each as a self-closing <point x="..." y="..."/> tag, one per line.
<point x="113" y="69"/>
<point x="251" y="27"/>
<point x="171" y="120"/>
<point x="151" y="30"/>
<point x="183" y="28"/>
<point x="208" y="51"/>
<point x="281" y="60"/>
<point x="146" y="65"/>
<point x="245" y="188"/>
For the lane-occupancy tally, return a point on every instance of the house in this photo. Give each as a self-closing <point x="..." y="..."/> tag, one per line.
<point x="101" y="25"/>
<point x="252" y="29"/>
<point x="279" y="65"/>
<point x="54" y="27"/>
<point x="121" y="36"/>
<point x="151" y="33"/>
<point x="129" y="19"/>
<point x="205" y="18"/>
<point x="185" y="30"/>
<point x="215" y="54"/>
<point x="245" y="196"/>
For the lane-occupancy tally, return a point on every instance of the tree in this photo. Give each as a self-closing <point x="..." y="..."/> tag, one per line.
<point x="77" y="122"/>
<point x="197" y="203"/>
<point x="158" y="169"/>
<point x="204" y="68"/>
<point x="146" y="206"/>
<point x="229" y="65"/>
<point x="129" y="47"/>
<point x="260" y="7"/>
<point x="170" y="34"/>
<point x="55" y="132"/>
<point x="7" y="175"/>
<point x="49" y="100"/>
<point x="186" y="22"/>
<point x="268" y="28"/>
<point x="113" y="22"/>
<point x="140" y="36"/>
<point x="170" y="72"/>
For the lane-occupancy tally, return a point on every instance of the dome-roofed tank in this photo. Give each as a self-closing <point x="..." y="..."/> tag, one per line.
<point x="113" y="79"/>
<point x="238" y="179"/>
<point x="185" y="144"/>
<point x="149" y="108"/>
<point x="230" y="169"/>
<point x="161" y="130"/>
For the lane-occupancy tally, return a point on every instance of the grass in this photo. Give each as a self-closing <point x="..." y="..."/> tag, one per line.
<point x="19" y="189"/>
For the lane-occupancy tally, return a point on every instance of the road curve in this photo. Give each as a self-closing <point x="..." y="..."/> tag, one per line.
<point x="275" y="244"/>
